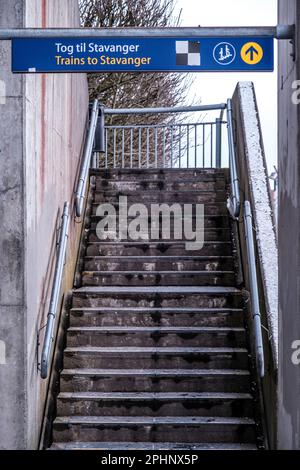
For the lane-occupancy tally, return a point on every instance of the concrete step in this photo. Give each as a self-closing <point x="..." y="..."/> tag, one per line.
<point x="172" y="248"/>
<point x="216" y="208"/>
<point x="158" y="263"/>
<point x="155" y="316"/>
<point x="157" y="429"/>
<point x="156" y="197"/>
<point x="155" y="380"/>
<point x="156" y="357"/>
<point x="155" y="278"/>
<point x="125" y="446"/>
<point x="216" y="235"/>
<point x="154" y="404"/>
<point x="155" y="336"/>
<point x="160" y="296"/>
<point x="161" y="184"/>
<point x="169" y="174"/>
<point x="210" y="222"/>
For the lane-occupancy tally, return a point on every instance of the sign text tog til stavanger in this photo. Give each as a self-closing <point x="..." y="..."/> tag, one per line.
<point x="143" y="55"/>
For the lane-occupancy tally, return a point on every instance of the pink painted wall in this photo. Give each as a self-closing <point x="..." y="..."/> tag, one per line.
<point x="55" y="116"/>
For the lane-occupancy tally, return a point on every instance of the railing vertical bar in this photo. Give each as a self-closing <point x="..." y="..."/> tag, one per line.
<point x="106" y="148"/>
<point x="172" y="143"/>
<point x="123" y="148"/>
<point x="218" y="142"/>
<point x="94" y="160"/>
<point x="131" y="147"/>
<point x="140" y="147"/>
<point x="203" y="147"/>
<point x="195" y="145"/>
<point x="147" y="146"/>
<point x="188" y="146"/>
<point x="211" y="145"/>
<point x="179" y="146"/>
<point x="164" y="147"/>
<point x="114" y="148"/>
<point x="156" y="144"/>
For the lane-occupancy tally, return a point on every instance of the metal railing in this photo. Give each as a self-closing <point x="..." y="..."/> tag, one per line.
<point x="255" y="308"/>
<point x="233" y="202"/>
<point x="234" y="206"/>
<point x="191" y="145"/>
<point x="57" y="280"/>
<point x="86" y="160"/>
<point x="163" y="145"/>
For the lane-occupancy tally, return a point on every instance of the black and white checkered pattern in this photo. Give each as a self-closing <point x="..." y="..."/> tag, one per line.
<point x="188" y="53"/>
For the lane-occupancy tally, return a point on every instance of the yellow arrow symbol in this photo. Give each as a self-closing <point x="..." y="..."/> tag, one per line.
<point x="252" y="53"/>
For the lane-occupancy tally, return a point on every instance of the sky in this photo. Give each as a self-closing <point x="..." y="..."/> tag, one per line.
<point x="214" y="87"/>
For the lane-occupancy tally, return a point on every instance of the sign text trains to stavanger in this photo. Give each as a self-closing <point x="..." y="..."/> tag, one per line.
<point x="143" y="55"/>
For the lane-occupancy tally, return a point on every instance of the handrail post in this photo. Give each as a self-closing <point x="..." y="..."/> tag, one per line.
<point x="99" y="145"/>
<point x="255" y="308"/>
<point x="234" y="202"/>
<point x="86" y="162"/>
<point x="218" y="142"/>
<point x="58" y="273"/>
<point x="101" y="129"/>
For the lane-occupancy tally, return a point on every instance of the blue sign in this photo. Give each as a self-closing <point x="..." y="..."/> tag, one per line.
<point x="143" y="55"/>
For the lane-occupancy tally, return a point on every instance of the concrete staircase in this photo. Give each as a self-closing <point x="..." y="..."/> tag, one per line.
<point x="156" y="354"/>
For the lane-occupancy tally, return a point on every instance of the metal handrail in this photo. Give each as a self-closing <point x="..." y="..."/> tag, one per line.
<point x="82" y="181"/>
<point x="281" y="31"/>
<point x="161" y="126"/>
<point x="234" y="205"/>
<point x="58" y="273"/>
<point x="255" y="308"/>
<point x="233" y="202"/>
<point x="175" y="109"/>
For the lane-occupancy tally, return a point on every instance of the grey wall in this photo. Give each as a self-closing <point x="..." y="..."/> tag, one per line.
<point x="289" y="236"/>
<point x="254" y="187"/>
<point x="42" y="125"/>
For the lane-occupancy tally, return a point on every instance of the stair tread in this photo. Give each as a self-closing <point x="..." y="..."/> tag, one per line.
<point x="155" y="396"/>
<point x="146" y="273"/>
<point x="120" y="192"/>
<point x="161" y="180"/>
<point x="151" y="349"/>
<point x="206" y="216"/>
<point x="148" y="420"/>
<point x="154" y="244"/>
<point x="150" y="446"/>
<point x="158" y="290"/>
<point x="162" y="242"/>
<point x="156" y="372"/>
<point x="217" y="204"/>
<point x="209" y="230"/>
<point x="157" y="309"/>
<point x="118" y="171"/>
<point x="159" y="258"/>
<point x="159" y="329"/>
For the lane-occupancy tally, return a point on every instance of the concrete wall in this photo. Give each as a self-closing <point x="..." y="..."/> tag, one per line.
<point x="288" y="230"/>
<point x="254" y="187"/>
<point x="42" y="127"/>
